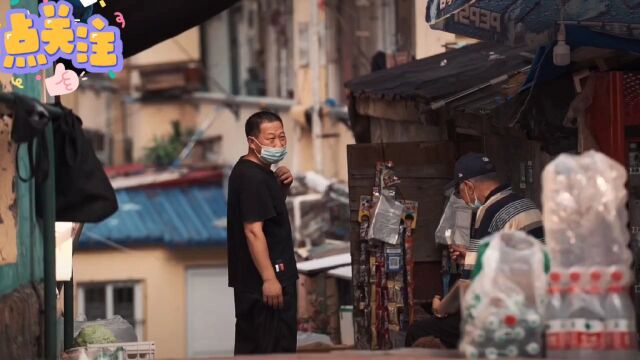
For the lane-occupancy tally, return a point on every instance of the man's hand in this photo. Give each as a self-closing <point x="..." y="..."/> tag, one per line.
<point x="457" y="252"/>
<point x="271" y="289"/>
<point x="272" y="293"/>
<point x="284" y="175"/>
<point x="435" y="306"/>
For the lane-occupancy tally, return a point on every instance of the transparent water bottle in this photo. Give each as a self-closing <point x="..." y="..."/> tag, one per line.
<point x="620" y="325"/>
<point x="557" y="340"/>
<point x="587" y="331"/>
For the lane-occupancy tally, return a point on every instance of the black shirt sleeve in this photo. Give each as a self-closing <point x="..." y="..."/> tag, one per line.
<point x="256" y="203"/>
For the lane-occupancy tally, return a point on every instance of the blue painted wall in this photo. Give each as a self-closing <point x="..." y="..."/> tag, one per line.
<point x="29" y="266"/>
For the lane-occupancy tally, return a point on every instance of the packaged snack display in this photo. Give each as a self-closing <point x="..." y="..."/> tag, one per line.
<point x="384" y="283"/>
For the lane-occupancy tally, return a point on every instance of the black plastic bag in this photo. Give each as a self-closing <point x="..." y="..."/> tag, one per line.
<point x="83" y="190"/>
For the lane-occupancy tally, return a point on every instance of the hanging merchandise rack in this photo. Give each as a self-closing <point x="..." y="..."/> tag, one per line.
<point x="385" y="282"/>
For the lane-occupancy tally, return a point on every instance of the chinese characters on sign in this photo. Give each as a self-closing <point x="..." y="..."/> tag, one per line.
<point x="30" y="43"/>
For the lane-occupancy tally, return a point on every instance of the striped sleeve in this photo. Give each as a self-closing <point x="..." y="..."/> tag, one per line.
<point x="514" y="214"/>
<point x="529" y="221"/>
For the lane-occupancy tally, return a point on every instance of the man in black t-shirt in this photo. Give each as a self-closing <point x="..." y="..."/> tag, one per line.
<point x="262" y="266"/>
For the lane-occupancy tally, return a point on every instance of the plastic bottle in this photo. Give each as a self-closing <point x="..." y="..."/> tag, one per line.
<point x="557" y="340"/>
<point x="587" y="332"/>
<point x="620" y="326"/>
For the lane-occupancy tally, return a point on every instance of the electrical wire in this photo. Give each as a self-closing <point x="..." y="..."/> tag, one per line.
<point x="531" y="88"/>
<point x="535" y="77"/>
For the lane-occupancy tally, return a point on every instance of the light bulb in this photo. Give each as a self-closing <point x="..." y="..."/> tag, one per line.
<point x="562" y="51"/>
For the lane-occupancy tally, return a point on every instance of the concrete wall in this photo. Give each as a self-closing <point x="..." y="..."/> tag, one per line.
<point x="102" y="110"/>
<point x="182" y="48"/>
<point x="146" y="121"/>
<point x="217" y="53"/>
<point x="162" y="272"/>
<point x="234" y="141"/>
<point x="334" y="148"/>
<point x="428" y="42"/>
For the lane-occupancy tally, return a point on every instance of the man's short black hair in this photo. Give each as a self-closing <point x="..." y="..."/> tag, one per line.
<point x="252" y="126"/>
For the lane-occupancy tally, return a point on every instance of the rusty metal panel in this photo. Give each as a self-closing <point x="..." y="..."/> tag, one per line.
<point x="8" y="207"/>
<point x="20" y="319"/>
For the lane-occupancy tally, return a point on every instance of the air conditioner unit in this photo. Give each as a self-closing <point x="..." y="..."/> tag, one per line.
<point x="307" y="214"/>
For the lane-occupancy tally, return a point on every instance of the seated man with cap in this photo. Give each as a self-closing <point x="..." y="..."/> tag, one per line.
<point x="497" y="208"/>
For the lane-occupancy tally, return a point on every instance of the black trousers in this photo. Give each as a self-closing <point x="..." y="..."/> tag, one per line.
<point x="447" y="330"/>
<point x="261" y="329"/>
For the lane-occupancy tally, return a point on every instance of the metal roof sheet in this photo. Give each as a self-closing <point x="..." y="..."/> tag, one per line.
<point x="179" y="216"/>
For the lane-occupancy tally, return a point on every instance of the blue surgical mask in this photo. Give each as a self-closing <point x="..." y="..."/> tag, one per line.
<point x="476" y="203"/>
<point x="271" y="155"/>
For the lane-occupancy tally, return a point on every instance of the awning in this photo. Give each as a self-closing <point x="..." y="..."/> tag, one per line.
<point x="149" y="22"/>
<point x="445" y="77"/>
<point x="532" y="22"/>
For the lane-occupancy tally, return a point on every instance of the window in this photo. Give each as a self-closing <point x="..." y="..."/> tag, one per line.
<point x="212" y="148"/>
<point x="103" y="301"/>
<point x="95" y="303"/>
<point x="99" y="144"/>
<point x="97" y="139"/>
<point x="207" y="150"/>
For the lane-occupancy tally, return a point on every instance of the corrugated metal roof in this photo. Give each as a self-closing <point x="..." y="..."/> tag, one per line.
<point x="179" y="216"/>
<point x="439" y="76"/>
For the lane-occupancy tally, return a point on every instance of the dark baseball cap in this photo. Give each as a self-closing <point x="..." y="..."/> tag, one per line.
<point x="470" y="166"/>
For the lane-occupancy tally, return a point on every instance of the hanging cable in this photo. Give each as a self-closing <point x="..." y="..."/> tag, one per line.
<point x="531" y="88"/>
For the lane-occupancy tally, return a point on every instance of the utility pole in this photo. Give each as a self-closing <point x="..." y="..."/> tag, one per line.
<point x="314" y="62"/>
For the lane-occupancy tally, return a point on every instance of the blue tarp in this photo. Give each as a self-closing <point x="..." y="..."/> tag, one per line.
<point x="532" y="22"/>
<point x="577" y="36"/>
<point x="177" y="216"/>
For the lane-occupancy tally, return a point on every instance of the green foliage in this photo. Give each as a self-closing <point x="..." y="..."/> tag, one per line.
<point x="165" y="150"/>
<point x="94" y="334"/>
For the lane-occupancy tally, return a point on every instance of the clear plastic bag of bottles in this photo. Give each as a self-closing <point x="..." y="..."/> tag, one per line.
<point x="590" y="315"/>
<point x="503" y="308"/>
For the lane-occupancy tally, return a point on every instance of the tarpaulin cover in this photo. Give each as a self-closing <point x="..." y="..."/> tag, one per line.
<point x="149" y="22"/>
<point x="543" y="68"/>
<point x="532" y="22"/>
